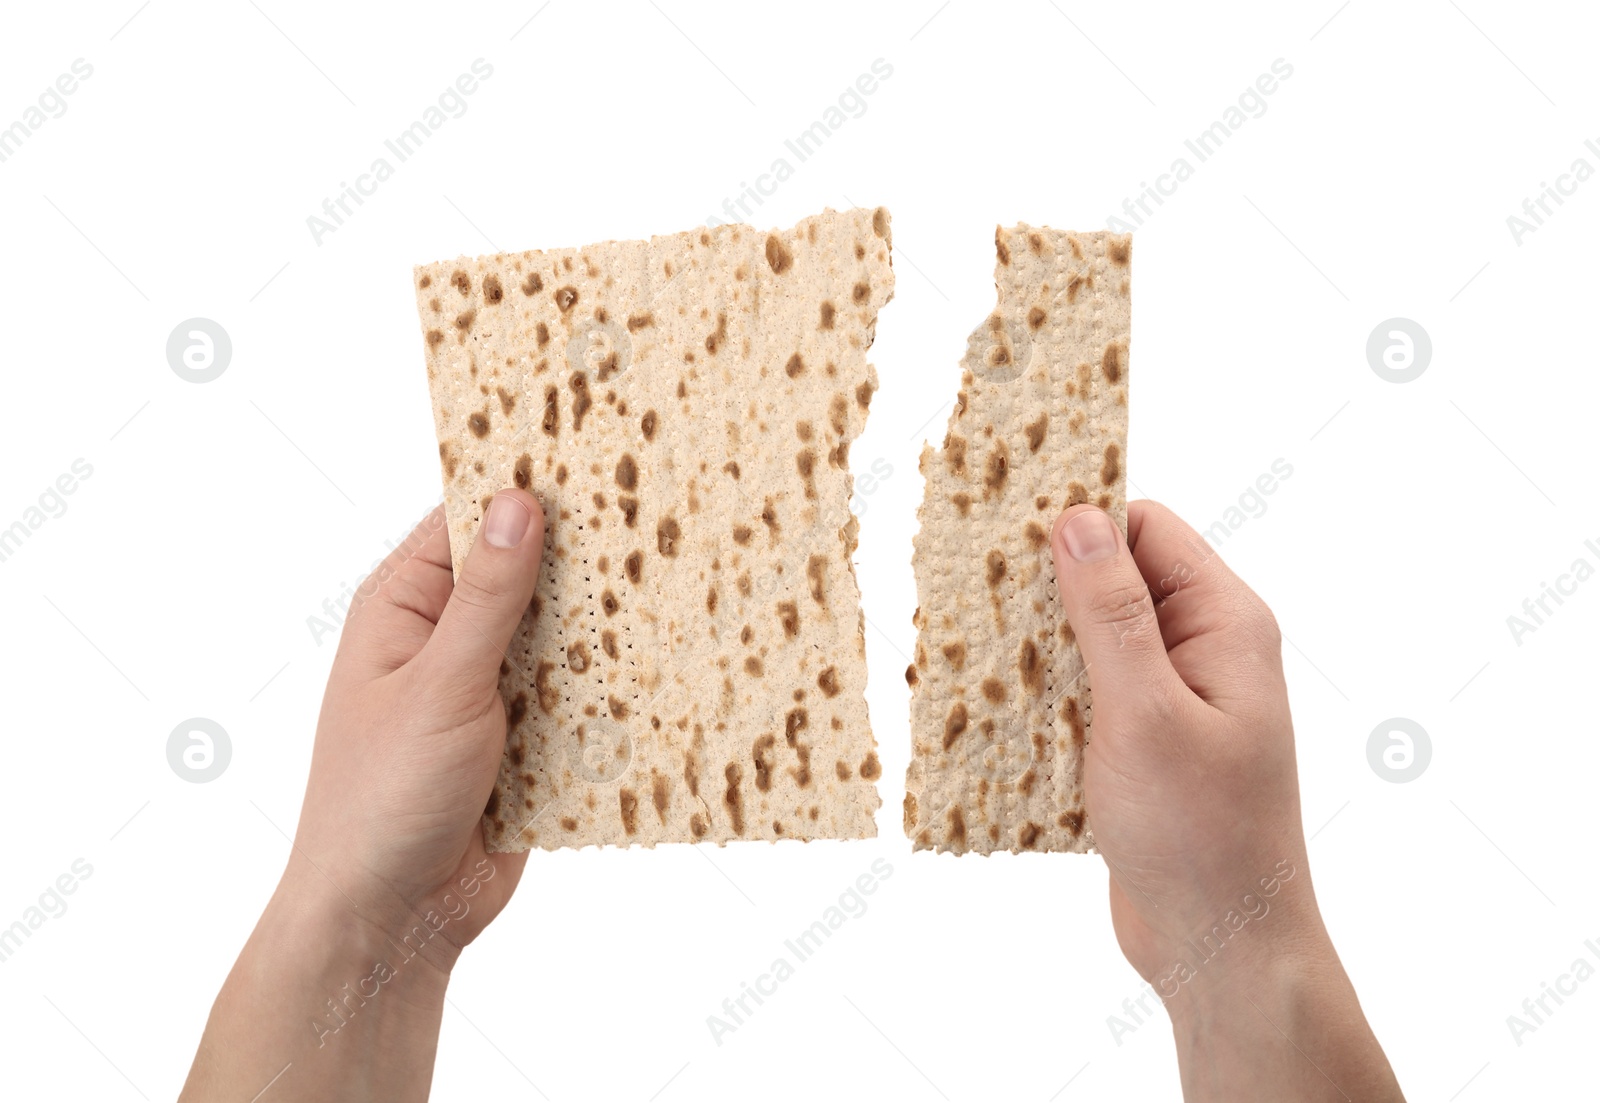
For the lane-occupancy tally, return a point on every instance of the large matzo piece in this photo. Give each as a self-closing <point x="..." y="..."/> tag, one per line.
<point x="1000" y="708"/>
<point x="692" y="665"/>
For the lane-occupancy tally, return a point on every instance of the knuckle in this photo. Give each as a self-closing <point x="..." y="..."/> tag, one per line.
<point x="1160" y="708"/>
<point x="1259" y="619"/>
<point x="1152" y="709"/>
<point x="402" y="592"/>
<point x="1250" y="617"/>
<point x="449" y="690"/>
<point x="476" y="593"/>
<point x="1123" y="605"/>
<point x="1271" y="633"/>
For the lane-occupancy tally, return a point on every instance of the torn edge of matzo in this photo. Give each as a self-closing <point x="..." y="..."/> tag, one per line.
<point x="1000" y="708"/>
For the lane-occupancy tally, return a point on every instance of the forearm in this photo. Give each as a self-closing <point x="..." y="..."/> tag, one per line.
<point x="323" y="1005"/>
<point x="1284" y="1026"/>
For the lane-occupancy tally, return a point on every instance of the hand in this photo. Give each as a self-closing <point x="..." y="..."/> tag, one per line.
<point x="413" y="728"/>
<point x="1191" y="790"/>
<point x="340" y="989"/>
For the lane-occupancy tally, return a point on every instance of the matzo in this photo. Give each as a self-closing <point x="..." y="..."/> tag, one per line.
<point x="1000" y="708"/>
<point x="692" y="664"/>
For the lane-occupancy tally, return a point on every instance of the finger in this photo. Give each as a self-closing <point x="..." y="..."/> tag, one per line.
<point x="415" y="576"/>
<point x="1219" y="634"/>
<point x="490" y="596"/>
<point x="393" y="610"/>
<point x="1109" y="608"/>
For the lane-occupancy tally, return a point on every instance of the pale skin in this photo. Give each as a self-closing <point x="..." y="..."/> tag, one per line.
<point x="339" y="992"/>
<point x="1190" y="783"/>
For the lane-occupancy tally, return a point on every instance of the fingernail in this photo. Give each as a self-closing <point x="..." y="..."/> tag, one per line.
<point x="507" y="522"/>
<point x="1090" y="536"/>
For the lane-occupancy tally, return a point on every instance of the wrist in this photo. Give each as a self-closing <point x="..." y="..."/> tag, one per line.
<point x="354" y="961"/>
<point x="372" y="922"/>
<point x="1279" y="1022"/>
<point x="321" y="1006"/>
<point x="1193" y="944"/>
<point x="1278" y="971"/>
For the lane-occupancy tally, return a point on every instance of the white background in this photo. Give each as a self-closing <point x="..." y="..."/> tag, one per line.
<point x="179" y="581"/>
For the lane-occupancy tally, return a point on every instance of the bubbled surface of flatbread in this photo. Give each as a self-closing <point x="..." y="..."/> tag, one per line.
<point x="1000" y="707"/>
<point x="692" y="664"/>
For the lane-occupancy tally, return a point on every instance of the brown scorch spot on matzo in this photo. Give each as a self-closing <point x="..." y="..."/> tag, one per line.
<point x="692" y="665"/>
<point x="1000" y="708"/>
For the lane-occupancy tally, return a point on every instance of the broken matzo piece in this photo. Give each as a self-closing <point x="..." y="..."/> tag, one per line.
<point x="692" y="664"/>
<point x="1000" y="709"/>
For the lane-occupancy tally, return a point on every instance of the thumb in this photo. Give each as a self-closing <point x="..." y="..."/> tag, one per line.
<point x="1108" y="606"/>
<point x="493" y="591"/>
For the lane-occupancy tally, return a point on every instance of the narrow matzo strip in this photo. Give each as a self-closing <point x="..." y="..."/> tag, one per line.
<point x="692" y="664"/>
<point x="1000" y="707"/>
